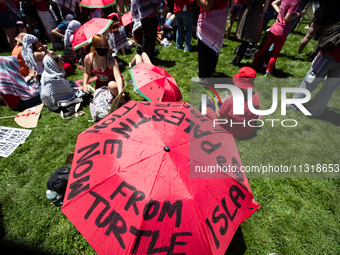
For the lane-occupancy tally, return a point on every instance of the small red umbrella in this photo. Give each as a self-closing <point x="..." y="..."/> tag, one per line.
<point x="154" y="83"/>
<point x="133" y="189"/>
<point x="97" y="3"/>
<point x="84" y="34"/>
<point x="126" y="19"/>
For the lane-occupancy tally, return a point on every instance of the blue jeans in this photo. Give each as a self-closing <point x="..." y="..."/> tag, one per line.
<point x="184" y="19"/>
<point x="318" y="104"/>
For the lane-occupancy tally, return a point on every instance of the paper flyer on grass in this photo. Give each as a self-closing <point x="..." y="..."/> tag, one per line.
<point x="11" y="138"/>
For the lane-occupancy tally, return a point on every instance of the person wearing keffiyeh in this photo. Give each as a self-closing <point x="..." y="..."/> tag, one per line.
<point x="73" y="26"/>
<point x="33" y="53"/>
<point x="54" y="87"/>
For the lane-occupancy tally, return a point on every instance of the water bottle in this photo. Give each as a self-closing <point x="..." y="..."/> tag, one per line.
<point x="52" y="195"/>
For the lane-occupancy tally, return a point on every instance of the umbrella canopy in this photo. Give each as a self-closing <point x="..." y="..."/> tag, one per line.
<point x="84" y="34"/>
<point x="126" y="19"/>
<point x="97" y="3"/>
<point x="154" y="83"/>
<point x="131" y="190"/>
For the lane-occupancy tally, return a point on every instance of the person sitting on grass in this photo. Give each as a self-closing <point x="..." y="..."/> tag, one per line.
<point x="243" y="80"/>
<point x="103" y="65"/>
<point x="140" y="58"/>
<point x="54" y="87"/>
<point x="33" y="53"/>
<point x="74" y="56"/>
<point x="18" y="93"/>
<point x="24" y="70"/>
<point x="61" y="28"/>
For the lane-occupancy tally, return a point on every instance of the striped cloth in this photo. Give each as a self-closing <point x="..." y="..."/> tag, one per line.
<point x="11" y="82"/>
<point x="70" y="4"/>
<point x="118" y="40"/>
<point x="142" y="8"/>
<point x="211" y="28"/>
<point x="318" y="63"/>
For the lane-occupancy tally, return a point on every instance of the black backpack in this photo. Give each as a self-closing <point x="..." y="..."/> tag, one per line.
<point x="330" y="41"/>
<point x="58" y="182"/>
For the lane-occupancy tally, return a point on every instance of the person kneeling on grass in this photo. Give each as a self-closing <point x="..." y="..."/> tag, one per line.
<point x="103" y="65"/>
<point x="54" y="87"/>
<point x="243" y="80"/>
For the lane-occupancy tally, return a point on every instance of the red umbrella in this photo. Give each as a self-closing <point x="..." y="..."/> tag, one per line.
<point x="126" y="19"/>
<point x="84" y="34"/>
<point x="154" y="83"/>
<point x="97" y="3"/>
<point x="131" y="191"/>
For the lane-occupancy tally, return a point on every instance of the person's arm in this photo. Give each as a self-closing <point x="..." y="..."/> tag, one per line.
<point x="39" y="56"/>
<point x="58" y="32"/>
<point x="43" y="48"/>
<point x="291" y="16"/>
<point x="205" y="5"/>
<point x="265" y="6"/>
<point x="87" y="74"/>
<point x="33" y="74"/>
<point x="276" y="4"/>
<point x="117" y="75"/>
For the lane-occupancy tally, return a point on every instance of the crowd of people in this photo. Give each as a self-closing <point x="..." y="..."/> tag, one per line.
<point x="28" y="25"/>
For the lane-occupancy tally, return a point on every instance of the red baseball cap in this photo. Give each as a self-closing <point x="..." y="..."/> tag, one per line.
<point x="245" y="78"/>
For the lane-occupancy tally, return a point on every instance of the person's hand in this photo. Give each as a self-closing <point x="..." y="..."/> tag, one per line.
<point x="34" y="75"/>
<point x="86" y="88"/>
<point x="302" y="12"/>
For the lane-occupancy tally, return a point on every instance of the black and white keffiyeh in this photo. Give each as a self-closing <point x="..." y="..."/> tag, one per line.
<point x="27" y="51"/>
<point x="73" y="26"/>
<point x="54" y="86"/>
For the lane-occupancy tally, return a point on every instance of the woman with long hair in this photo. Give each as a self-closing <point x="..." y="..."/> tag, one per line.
<point x="103" y="65"/>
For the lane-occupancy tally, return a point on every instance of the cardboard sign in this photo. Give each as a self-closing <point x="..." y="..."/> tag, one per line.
<point x="29" y="118"/>
<point x="11" y="138"/>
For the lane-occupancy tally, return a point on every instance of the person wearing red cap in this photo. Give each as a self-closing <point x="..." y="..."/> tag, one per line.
<point x="243" y="80"/>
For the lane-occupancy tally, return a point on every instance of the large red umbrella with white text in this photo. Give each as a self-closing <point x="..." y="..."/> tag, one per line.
<point x="134" y="187"/>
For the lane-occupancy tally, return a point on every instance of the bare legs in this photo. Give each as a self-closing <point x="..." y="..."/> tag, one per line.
<point x="140" y="58"/>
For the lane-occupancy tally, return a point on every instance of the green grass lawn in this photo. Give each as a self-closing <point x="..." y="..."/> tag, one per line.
<point x="297" y="215"/>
